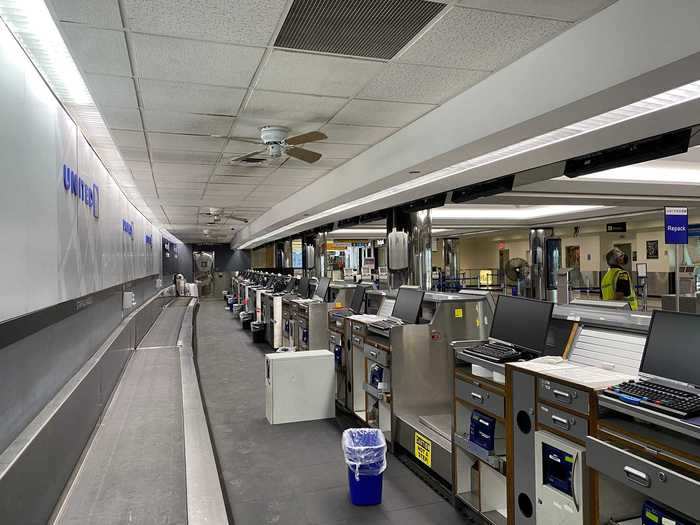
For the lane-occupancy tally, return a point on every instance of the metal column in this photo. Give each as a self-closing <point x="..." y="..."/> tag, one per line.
<point x="418" y="227"/>
<point x="320" y="255"/>
<point x="450" y="259"/>
<point x="287" y="251"/>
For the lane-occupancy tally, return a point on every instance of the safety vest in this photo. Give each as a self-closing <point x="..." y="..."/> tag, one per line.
<point x="609" y="285"/>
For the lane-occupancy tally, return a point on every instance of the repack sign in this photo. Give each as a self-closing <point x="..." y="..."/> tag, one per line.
<point x="676" y="225"/>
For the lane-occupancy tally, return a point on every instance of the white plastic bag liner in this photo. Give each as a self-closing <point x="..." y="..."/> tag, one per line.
<point x="365" y="451"/>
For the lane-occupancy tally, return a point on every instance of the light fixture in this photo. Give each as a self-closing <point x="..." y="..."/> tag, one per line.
<point x="510" y="213"/>
<point x="637" y="109"/>
<point x="650" y="173"/>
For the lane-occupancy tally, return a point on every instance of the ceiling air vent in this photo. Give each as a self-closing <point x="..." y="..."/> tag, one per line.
<point x="363" y="28"/>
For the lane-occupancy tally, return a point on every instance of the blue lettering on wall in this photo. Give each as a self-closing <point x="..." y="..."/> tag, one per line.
<point x="128" y="227"/>
<point x="82" y="190"/>
<point x="149" y="240"/>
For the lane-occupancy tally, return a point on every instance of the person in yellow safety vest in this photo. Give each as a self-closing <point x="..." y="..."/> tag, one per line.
<point x="617" y="283"/>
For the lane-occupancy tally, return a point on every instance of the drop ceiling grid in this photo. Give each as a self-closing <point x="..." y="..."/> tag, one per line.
<point x="398" y="91"/>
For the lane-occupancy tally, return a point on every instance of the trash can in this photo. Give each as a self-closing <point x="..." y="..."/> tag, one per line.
<point x="258" y="330"/>
<point x="365" y="456"/>
<point x="246" y="318"/>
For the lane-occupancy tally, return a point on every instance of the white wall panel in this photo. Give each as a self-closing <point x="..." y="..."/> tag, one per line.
<point x="25" y="200"/>
<point x="89" y="234"/>
<point x="56" y="249"/>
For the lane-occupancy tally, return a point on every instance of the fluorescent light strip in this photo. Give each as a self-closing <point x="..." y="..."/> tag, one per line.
<point x="31" y="23"/>
<point x="658" y="102"/>
<point x="644" y="174"/>
<point x="514" y="213"/>
<point x="372" y="231"/>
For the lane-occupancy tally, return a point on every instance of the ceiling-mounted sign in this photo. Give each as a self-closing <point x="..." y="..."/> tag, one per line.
<point x="616" y="227"/>
<point x="676" y="224"/>
<point x="89" y="195"/>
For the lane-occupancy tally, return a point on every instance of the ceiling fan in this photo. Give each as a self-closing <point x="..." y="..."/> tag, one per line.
<point x="277" y="142"/>
<point x="217" y="215"/>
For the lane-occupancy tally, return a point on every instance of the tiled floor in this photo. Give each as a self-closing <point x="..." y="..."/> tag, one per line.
<point x="290" y="474"/>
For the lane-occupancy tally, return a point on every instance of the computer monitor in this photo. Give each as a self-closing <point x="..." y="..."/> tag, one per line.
<point x="672" y="349"/>
<point x="322" y="287"/>
<point x="303" y="289"/>
<point x="290" y="284"/>
<point x="358" y="295"/>
<point x="407" y="304"/>
<point x="522" y="322"/>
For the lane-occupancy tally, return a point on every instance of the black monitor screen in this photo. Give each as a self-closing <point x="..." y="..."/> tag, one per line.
<point x="290" y="285"/>
<point x="522" y="322"/>
<point x="303" y="289"/>
<point x="407" y="304"/>
<point x="322" y="287"/>
<point x="358" y="295"/>
<point x="672" y="349"/>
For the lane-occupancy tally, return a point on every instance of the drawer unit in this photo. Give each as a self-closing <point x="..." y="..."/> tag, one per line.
<point x="473" y="394"/>
<point x="563" y="395"/>
<point x="335" y="338"/>
<point x="359" y="329"/>
<point x="666" y="486"/>
<point x="574" y="426"/>
<point x="358" y="341"/>
<point x="378" y="355"/>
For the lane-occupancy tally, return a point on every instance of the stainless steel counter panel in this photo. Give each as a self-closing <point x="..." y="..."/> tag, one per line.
<point x="604" y="317"/>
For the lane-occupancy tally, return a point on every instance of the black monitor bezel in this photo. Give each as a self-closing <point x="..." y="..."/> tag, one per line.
<point x="418" y="310"/>
<point x="525" y="349"/>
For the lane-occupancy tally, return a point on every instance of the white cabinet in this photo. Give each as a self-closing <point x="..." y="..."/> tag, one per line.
<point x="299" y="386"/>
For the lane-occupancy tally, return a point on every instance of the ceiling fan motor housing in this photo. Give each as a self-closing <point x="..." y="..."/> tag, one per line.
<point x="274" y="138"/>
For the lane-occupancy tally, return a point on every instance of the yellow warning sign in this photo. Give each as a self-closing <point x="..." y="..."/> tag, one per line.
<point x="459" y="313"/>
<point x="423" y="449"/>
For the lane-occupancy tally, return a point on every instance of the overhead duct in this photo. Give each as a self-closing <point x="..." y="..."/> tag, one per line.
<point x="483" y="189"/>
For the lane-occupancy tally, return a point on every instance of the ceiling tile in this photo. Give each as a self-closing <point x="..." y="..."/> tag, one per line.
<point x="291" y="109"/>
<point x="181" y="210"/>
<point x="182" y="185"/>
<point x="98" y="50"/>
<point x="112" y="91"/>
<point x="346" y="134"/>
<point x="134" y="153"/>
<point x="163" y="170"/>
<point x="191" y="98"/>
<point x="185" y="142"/>
<point x="423" y="84"/>
<point x="477" y="39"/>
<point x="569" y="10"/>
<point x="336" y="151"/>
<point x="234" y="179"/>
<point x="223" y="169"/>
<point x="241" y="148"/>
<point x="284" y="174"/>
<point x="117" y="118"/>
<point x="186" y="123"/>
<point x="186" y="157"/>
<point x="316" y="74"/>
<point x="324" y="164"/>
<point x="192" y="61"/>
<point x="250" y="22"/>
<point x="129" y="138"/>
<point x="101" y="13"/>
<point x="375" y="113"/>
<point x="230" y="189"/>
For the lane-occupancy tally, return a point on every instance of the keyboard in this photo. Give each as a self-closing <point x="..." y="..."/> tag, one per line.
<point x="494" y="352"/>
<point x="385" y="324"/>
<point x="664" y="399"/>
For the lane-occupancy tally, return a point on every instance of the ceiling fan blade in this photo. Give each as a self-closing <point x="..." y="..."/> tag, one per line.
<point x="248" y="155"/>
<point x="304" y="154"/>
<point x="239" y="219"/>
<point x="305" y="138"/>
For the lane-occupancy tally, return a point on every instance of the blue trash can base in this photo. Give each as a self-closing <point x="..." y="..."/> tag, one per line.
<point x="366" y="491"/>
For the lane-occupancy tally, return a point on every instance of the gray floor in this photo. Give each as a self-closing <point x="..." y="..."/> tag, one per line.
<point x="288" y="474"/>
<point x="134" y="470"/>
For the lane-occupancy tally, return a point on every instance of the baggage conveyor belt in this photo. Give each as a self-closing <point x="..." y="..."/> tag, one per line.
<point x="133" y="471"/>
